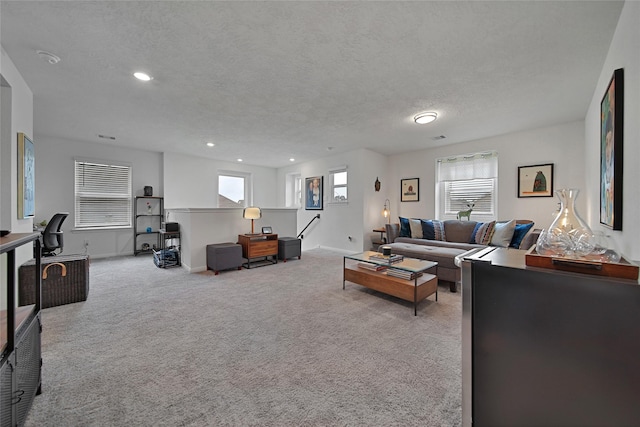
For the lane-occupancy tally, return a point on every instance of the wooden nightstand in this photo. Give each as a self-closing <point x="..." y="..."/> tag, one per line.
<point x="259" y="246"/>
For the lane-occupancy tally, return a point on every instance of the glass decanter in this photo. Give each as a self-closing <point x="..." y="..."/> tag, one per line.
<point x="568" y="235"/>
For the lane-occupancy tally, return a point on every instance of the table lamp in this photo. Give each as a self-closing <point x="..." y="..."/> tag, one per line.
<point x="252" y="213"/>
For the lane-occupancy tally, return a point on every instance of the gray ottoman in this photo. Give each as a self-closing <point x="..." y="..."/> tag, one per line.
<point x="289" y="247"/>
<point x="224" y="256"/>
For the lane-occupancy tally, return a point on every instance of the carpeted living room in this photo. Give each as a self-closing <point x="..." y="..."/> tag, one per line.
<point x="328" y="125"/>
<point x="278" y="345"/>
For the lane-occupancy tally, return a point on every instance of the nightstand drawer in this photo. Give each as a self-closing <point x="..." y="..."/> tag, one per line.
<point x="263" y="248"/>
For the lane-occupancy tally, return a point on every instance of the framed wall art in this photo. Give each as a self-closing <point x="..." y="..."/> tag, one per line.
<point x="535" y="180"/>
<point x="410" y="190"/>
<point x="26" y="177"/>
<point x="314" y="189"/>
<point x="611" y="116"/>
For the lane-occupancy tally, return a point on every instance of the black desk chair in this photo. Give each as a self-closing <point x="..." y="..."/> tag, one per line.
<point x="52" y="235"/>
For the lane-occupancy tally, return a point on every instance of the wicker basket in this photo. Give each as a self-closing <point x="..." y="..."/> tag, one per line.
<point x="65" y="280"/>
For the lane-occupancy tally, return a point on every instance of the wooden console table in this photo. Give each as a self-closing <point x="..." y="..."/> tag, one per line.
<point x="256" y="246"/>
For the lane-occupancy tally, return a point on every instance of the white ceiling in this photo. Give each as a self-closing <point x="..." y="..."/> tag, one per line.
<point x="267" y="81"/>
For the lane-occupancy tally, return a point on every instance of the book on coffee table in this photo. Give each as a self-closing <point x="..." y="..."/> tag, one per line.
<point x="388" y="258"/>
<point x="372" y="267"/>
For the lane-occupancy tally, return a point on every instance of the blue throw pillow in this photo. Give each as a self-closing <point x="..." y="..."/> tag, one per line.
<point x="519" y="233"/>
<point x="428" y="232"/>
<point x="405" y="228"/>
<point x="438" y="229"/>
<point x="475" y="230"/>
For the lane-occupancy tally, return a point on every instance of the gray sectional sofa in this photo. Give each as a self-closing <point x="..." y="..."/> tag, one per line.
<point x="456" y="237"/>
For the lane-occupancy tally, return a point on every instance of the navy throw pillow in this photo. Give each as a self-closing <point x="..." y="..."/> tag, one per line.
<point x="519" y="233"/>
<point x="428" y="232"/>
<point x="475" y="230"/>
<point x="405" y="228"/>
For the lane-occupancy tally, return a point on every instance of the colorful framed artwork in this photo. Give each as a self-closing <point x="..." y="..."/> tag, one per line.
<point x="26" y="177"/>
<point x="410" y="190"/>
<point x="611" y="128"/>
<point x="535" y="180"/>
<point x="314" y="189"/>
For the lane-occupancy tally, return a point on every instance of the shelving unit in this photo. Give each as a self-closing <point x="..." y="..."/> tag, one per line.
<point x="149" y="212"/>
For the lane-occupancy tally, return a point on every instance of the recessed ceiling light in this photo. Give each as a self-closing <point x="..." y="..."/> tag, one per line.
<point x="142" y="76"/>
<point x="239" y="160"/>
<point x="210" y="144"/>
<point x="424" y="118"/>
<point x="292" y="159"/>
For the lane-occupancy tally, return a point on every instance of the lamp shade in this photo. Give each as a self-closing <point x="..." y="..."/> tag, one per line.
<point x="252" y="213"/>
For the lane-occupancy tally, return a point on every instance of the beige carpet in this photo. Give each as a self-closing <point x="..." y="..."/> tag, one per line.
<point x="281" y="345"/>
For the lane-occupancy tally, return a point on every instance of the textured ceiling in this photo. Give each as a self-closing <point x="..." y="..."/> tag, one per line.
<point x="267" y="81"/>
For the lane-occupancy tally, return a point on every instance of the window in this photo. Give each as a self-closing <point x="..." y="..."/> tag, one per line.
<point x="293" y="196"/>
<point x="338" y="180"/>
<point x="234" y="189"/>
<point x="102" y="195"/>
<point x="466" y="182"/>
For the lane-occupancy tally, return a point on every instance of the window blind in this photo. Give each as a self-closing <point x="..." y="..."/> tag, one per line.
<point x="102" y="195"/>
<point x="468" y="181"/>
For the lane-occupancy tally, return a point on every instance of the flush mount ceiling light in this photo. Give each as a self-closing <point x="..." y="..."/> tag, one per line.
<point x="48" y="56"/>
<point x="424" y="118"/>
<point x="142" y="76"/>
<point x="210" y="144"/>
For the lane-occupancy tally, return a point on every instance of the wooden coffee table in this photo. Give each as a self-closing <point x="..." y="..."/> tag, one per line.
<point x="419" y="286"/>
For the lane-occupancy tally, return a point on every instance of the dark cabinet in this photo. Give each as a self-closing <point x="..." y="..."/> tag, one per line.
<point x="20" y="366"/>
<point x="545" y="347"/>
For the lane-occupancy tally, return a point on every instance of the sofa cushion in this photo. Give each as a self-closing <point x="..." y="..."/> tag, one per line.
<point x="416" y="228"/>
<point x="438" y="229"/>
<point x="424" y="242"/>
<point x="519" y="232"/>
<point x="393" y="232"/>
<point x="444" y="256"/>
<point x="483" y="235"/>
<point x="503" y="233"/>
<point x="428" y="231"/>
<point x="405" y="228"/>
<point x="459" y="231"/>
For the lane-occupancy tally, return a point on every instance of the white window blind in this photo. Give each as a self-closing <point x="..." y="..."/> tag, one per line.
<point x="102" y="195"/>
<point x="465" y="182"/>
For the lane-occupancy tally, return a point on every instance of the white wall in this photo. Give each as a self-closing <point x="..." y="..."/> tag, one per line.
<point x="192" y="182"/>
<point x="339" y="221"/>
<point x="623" y="53"/>
<point x="562" y="145"/>
<point x="20" y="119"/>
<point x="55" y="189"/>
<point x="200" y="227"/>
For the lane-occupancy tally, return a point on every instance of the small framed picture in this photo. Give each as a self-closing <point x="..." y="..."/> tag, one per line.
<point x="535" y="180"/>
<point x="410" y="190"/>
<point x="267" y="230"/>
